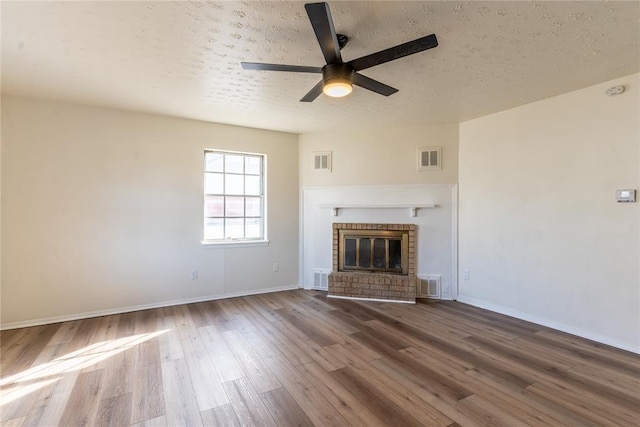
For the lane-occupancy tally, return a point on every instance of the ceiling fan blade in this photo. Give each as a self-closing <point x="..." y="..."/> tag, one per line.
<point x="395" y="52"/>
<point x="313" y="93"/>
<point x="322" y="24"/>
<point x="372" y="85"/>
<point x="278" y="67"/>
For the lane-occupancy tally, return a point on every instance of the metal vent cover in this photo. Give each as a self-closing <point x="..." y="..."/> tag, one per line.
<point x="429" y="158"/>
<point x="429" y="287"/>
<point x="320" y="279"/>
<point x="322" y="161"/>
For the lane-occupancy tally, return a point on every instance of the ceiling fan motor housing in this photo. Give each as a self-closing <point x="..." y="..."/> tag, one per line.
<point x="337" y="72"/>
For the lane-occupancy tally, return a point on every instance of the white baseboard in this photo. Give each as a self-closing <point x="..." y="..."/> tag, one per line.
<point x="371" y="299"/>
<point x="110" y="311"/>
<point x="548" y="323"/>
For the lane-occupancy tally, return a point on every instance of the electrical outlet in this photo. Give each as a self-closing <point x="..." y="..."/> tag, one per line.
<point x="194" y="274"/>
<point x="445" y="289"/>
<point x="276" y="267"/>
<point x="466" y="274"/>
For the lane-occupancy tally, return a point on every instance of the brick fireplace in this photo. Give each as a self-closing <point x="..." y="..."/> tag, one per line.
<point x="374" y="261"/>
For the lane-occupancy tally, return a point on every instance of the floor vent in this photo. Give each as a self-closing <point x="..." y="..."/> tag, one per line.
<point x="429" y="287"/>
<point x="320" y="279"/>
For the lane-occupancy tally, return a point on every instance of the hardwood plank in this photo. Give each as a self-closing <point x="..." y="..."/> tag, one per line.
<point x="221" y="416"/>
<point x="148" y="392"/>
<point x="492" y="414"/>
<point x="294" y="354"/>
<point x="52" y="402"/>
<point x="15" y="422"/>
<point x="312" y="402"/>
<point x="437" y="382"/>
<point x="25" y="348"/>
<point x="255" y="370"/>
<point x="380" y="404"/>
<point x="247" y="404"/>
<point x="65" y="332"/>
<point x="154" y="422"/>
<point x="579" y="405"/>
<point x="82" y="405"/>
<point x="284" y="409"/>
<point x="170" y="345"/>
<point x="449" y="407"/>
<point x="179" y="399"/>
<point x="314" y="351"/>
<point x="119" y="374"/>
<point x="354" y="411"/>
<point x="114" y="411"/>
<point x="307" y="328"/>
<point x="546" y="367"/>
<point x="411" y="403"/>
<point x="535" y="411"/>
<point x="222" y="358"/>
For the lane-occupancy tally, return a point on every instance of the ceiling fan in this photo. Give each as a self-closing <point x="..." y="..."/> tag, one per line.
<point x="338" y="77"/>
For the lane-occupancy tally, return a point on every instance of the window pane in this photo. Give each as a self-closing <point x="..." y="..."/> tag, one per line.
<point x="214" y="206"/>
<point x="233" y="163"/>
<point x="234" y="228"/>
<point x="252" y="185"/>
<point x="213" y="228"/>
<point x="213" y="183"/>
<point x="234" y="206"/>
<point x="253" y="165"/>
<point x="233" y="184"/>
<point x="213" y="162"/>
<point x="253" y="206"/>
<point x="253" y="229"/>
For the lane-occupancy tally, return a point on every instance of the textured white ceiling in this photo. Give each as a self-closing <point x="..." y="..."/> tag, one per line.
<point x="183" y="58"/>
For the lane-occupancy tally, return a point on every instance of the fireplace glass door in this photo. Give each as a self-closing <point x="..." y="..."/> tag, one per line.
<point x="373" y="250"/>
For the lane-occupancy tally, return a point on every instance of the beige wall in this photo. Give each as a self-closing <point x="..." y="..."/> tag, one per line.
<point x="539" y="229"/>
<point x="102" y="210"/>
<point x="380" y="156"/>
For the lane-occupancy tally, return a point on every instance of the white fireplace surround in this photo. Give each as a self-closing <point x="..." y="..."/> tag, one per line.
<point x="435" y="216"/>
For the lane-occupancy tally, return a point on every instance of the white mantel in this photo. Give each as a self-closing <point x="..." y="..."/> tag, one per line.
<point x="412" y="207"/>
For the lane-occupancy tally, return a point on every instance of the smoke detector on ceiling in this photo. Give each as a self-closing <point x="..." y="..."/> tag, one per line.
<point x="613" y="91"/>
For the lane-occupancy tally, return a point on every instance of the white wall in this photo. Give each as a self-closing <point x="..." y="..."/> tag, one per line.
<point x="380" y="156"/>
<point x="102" y="210"/>
<point x="539" y="229"/>
<point x="379" y="166"/>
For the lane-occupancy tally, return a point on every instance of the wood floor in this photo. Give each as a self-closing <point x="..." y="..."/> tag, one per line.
<point x="299" y="358"/>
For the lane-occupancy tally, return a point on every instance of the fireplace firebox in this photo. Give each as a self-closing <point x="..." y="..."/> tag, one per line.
<point x="373" y="250"/>
<point x="374" y="261"/>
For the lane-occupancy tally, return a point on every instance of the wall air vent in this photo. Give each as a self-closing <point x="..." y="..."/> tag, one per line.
<point x="320" y="279"/>
<point x="429" y="287"/>
<point x="429" y="158"/>
<point x="322" y="161"/>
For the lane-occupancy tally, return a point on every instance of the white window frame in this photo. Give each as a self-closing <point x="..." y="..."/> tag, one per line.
<point x="228" y="241"/>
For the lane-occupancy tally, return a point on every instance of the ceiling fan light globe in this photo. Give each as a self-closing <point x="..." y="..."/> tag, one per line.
<point x="337" y="88"/>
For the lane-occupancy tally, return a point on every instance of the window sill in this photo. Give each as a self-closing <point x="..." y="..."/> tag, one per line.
<point x="234" y="243"/>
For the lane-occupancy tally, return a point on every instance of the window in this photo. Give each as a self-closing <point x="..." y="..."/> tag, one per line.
<point x="234" y="202"/>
